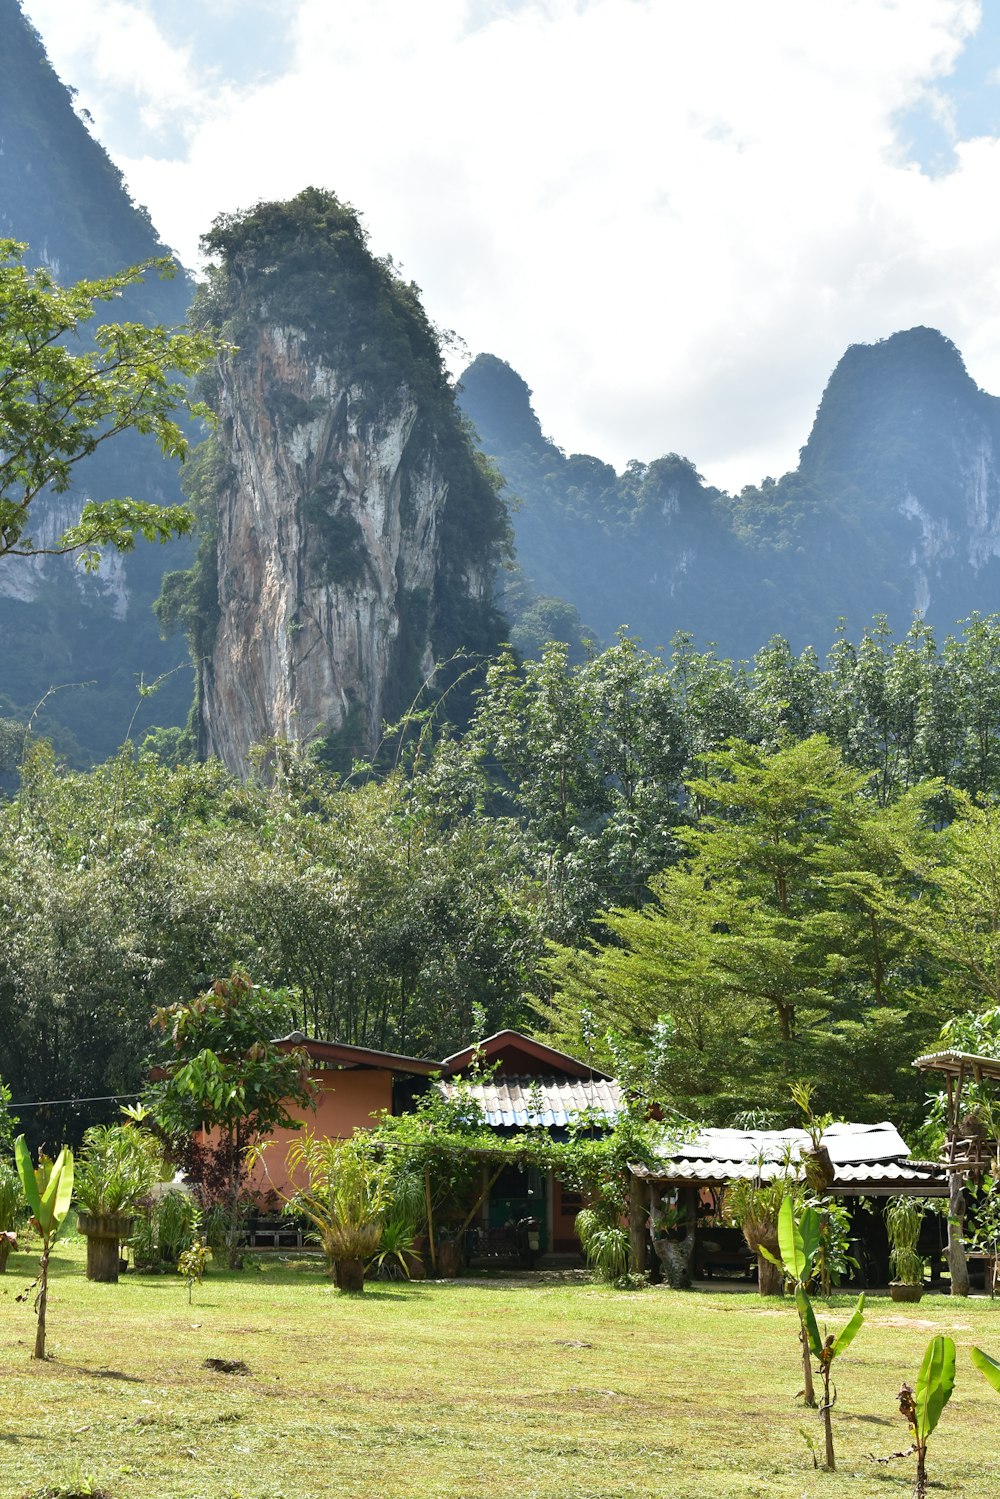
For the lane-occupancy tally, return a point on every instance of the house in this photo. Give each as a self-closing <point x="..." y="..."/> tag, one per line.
<point x="527" y="1085"/>
<point x="352" y="1086"/>
<point x="520" y="1084"/>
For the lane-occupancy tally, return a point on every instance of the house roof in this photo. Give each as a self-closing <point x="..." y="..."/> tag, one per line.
<point x="539" y="1102"/>
<point x="342" y="1055"/>
<point x="555" y="1061"/>
<point x="953" y="1062"/>
<point x="867" y="1158"/>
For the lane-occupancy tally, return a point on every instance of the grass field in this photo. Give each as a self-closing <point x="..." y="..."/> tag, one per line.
<point x="537" y="1389"/>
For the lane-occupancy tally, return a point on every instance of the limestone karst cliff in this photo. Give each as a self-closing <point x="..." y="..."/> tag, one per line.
<point x="352" y="532"/>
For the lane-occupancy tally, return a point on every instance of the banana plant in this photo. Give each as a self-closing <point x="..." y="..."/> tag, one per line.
<point x="48" y="1188"/>
<point x="988" y="1367"/>
<point x="799" y="1243"/>
<point x="825" y="1350"/>
<point x="922" y="1407"/>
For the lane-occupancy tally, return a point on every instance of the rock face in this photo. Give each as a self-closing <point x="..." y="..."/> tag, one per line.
<point x="356" y="533"/>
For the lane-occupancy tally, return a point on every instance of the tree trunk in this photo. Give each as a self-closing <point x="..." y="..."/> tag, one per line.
<point x="102" y="1258"/>
<point x="828" y="1422"/>
<point x="7" y="1242"/>
<point x="957" y="1263"/>
<point x="43" y="1294"/>
<point x="808" y="1392"/>
<point x="637" y="1225"/>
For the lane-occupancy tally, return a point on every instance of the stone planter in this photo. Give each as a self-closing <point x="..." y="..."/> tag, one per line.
<point x="104" y="1232"/>
<point x="351" y="1276"/>
<point x="449" y="1258"/>
<point x="904" y="1290"/>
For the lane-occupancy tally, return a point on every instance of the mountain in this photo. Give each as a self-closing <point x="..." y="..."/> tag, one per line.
<point x="350" y="530"/>
<point x="894" y="508"/>
<point x="60" y="192"/>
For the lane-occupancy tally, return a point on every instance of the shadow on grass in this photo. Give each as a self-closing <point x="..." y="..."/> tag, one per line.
<point x="103" y="1373"/>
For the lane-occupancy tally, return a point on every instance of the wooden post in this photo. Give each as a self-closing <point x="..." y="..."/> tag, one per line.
<point x="637" y="1224"/>
<point x="430" y="1216"/>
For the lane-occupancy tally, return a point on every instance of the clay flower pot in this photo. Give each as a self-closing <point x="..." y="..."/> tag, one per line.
<point x="103" y="1232"/>
<point x="904" y="1290"/>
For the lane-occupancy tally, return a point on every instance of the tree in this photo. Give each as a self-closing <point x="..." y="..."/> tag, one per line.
<point x="58" y="404"/>
<point x="226" y="1075"/>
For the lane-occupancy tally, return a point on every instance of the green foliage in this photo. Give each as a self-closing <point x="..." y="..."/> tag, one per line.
<point x="8" y="1121"/>
<point x="116" y="1168"/>
<point x="223" y="1073"/>
<point x="935" y="1383"/>
<point x="58" y="405"/>
<point x="987" y="1366"/>
<point x="903" y="1217"/>
<point x="12" y="1199"/>
<point x="346" y="1195"/>
<point x="192" y="1264"/>
<point x="605" y="1244"/>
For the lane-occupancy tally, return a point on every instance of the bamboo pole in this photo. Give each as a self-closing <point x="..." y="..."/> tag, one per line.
<point x="430" y="1216"/>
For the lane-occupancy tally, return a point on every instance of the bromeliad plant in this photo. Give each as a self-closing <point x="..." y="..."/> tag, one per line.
<point x="825" y="1349"/>
<point x="48" y="1189"/>
<point x="922" y="1406"/>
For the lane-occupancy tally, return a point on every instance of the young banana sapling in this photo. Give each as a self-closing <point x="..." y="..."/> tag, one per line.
<point x="987" y="1366"/>
<point x="825" y="1349"/>
<point x="48" y="1189"/>
<point x="799" y="1243"/>
<point x="922" y="1407"/>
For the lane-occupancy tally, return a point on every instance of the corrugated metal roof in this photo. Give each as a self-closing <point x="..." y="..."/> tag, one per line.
<point x="864" y="1176"/>
<point x="540" y="1102"/>
<point x="862" y="1155"/>
<point x="953" y="1062"/>
<point x="845" y="1143"/>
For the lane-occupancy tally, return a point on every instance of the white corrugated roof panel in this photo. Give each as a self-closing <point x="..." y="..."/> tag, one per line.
<point x="540" y="1102"/>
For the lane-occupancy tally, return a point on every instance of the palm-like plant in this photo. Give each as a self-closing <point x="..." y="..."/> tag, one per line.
<point x="605" y="1243"/>
<point x="116" y="1168"/>
<point x="346" y="1200"/>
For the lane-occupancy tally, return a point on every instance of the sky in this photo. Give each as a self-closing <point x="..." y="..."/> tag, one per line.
<point x="670" y="216"/>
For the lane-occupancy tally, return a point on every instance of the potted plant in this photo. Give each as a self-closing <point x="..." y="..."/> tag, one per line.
<point x="11" y="1204"/>
<point x="116" y="1170"/>
<point x="345" y="1197"/>
<point x="753" y="1206"/>
<point x="903" y="1217"/>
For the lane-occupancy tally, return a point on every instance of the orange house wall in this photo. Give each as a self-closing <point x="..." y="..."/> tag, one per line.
<point x="345" y="1101"/>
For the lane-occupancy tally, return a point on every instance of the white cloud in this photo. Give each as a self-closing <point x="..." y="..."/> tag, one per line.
<point x="670" y="218"/>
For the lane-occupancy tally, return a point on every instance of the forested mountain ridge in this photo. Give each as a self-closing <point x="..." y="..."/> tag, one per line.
<point x="62" y="195"/>
<point x="893" y="509"/>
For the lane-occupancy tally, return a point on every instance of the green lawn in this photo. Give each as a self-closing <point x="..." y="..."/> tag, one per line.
<point x="544" y="1390"/>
